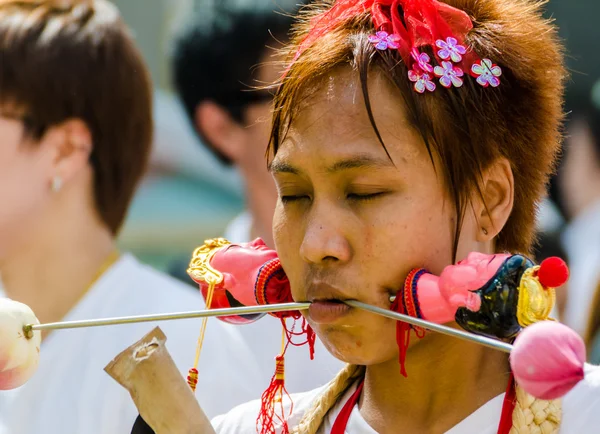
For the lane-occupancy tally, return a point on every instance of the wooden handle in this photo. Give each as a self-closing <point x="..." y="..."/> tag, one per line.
<point x="160" y="393"/>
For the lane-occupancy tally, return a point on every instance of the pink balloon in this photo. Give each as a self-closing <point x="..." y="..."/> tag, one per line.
<point x="548" y="359"/>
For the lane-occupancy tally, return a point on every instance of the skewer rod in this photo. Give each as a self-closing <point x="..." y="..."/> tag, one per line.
<point x="485" y="341"/>
<point x="282" y="307"/>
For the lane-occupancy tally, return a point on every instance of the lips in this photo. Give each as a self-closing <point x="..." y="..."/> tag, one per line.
<point x="327" y="311"/>
<point x="327" y="303"/>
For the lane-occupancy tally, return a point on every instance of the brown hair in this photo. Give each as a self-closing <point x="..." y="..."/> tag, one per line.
<point x="76" y="59"/>
<point x="467" y="127"/>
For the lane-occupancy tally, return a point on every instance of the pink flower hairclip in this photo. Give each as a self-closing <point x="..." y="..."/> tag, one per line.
<point x="449" y="74"/>
<point x="422" y="80"/>
<point x="423" y="25"/>
<point x="409" y="26"/>
<point x="487" y="73"/>
<point x="382" y="40"/>
<point x="450" y="48"/>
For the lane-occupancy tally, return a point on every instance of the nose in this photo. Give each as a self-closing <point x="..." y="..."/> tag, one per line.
<point x="324" y="238"/>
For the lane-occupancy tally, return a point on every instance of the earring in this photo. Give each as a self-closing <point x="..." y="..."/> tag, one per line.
<point x="484" y="230"/>
<point x="56" y="184"/>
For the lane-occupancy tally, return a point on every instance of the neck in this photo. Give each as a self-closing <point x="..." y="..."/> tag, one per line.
<point x="448" y="379"/>
<point x="261" y="198"/>
<point x="57" y="264"/>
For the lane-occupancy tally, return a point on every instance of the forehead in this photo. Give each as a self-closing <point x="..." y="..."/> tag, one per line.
<point x="333" y="122"/>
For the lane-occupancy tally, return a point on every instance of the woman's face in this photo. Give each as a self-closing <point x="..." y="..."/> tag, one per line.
<point x="350" y="223"/>
<point x="25" y="171"/>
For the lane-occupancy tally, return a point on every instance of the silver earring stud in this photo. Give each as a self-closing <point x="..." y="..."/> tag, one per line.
<point x="484" y="230"/>
<point x="56" y="184"/>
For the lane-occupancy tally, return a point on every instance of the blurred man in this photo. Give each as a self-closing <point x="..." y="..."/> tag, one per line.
<point x="221" y="56"/>
<point x="579" y="196"/>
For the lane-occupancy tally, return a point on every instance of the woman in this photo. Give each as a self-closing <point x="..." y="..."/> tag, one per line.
<point x="387" y="157"/>
<point x="76" y="130"/>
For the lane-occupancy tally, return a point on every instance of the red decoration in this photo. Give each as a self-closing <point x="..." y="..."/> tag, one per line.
<point x="508" y="407"/>
<point x="272" y="409"/>
<point x="271" y="397"/>
<point x="192" y="378"/>
<point x="243" y="267"/>
<point x="553" y="272"/>
<point x="272" y="287"/>
<point x="407" y="305"/>
<point x="418" y="23"/>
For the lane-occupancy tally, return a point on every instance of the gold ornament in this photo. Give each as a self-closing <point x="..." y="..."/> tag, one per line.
<point x="535" y="301"/>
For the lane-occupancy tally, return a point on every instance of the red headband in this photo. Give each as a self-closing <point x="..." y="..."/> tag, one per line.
<point x="408" y="26"/>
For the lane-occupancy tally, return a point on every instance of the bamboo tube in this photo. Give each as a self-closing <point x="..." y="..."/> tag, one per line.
<point x="161" y="395"/>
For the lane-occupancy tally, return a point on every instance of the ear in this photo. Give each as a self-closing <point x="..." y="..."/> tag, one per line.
<point x="220" y="129"/>
<point x="494" y="206"/>
<point x="71" y="143"/>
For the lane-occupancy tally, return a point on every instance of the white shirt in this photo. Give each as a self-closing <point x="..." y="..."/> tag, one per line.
<point x="264" y="337"/>
<point x="582" y="243"/>
<point x="70" y="392"/>
<point x="581" y="413"/>
<point x="239" y="229"/>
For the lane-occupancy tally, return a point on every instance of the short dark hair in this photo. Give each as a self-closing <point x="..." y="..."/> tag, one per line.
<point x="214" y="56"/>
<point x="76" y="59"/>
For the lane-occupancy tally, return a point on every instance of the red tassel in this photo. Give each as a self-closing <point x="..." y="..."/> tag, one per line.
<point x="272" y="410"/>
<point x="407" y="304"/>
<point x="402" y="333"/>
<point x="271" y="398"/>
<point x="305" y="329"/>
<point x="310" y="337"/>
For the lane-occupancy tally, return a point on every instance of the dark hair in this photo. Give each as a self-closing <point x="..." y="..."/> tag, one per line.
<point x="467" y="127"/>
<point x="214" y="57"/>
<point x="76" y="59"/>
<point x="585" y="107"/>
<point x="582" y="105"/>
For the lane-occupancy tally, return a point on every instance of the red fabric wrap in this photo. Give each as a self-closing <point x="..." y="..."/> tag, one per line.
<point x="272" y="286"/>
<point x="418" y="23"/>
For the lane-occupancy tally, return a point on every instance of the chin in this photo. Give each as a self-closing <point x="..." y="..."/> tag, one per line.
<point x="355" y="350"/>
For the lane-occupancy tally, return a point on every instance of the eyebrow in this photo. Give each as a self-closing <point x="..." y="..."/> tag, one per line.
<point x="356" y="162"/>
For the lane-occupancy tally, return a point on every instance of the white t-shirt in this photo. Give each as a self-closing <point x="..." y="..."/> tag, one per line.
<point x="71" y="394"/>
<point x="582" y="243"/>
<point x="581" y="413"/>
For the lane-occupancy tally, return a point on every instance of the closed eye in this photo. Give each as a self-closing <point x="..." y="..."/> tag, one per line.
<point x="364" y="197"/>
<point x="293" y="198"/>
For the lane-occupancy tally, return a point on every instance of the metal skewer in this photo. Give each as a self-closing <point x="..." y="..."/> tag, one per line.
<point x="282" y="307"/>
<point x="488" y="342"/>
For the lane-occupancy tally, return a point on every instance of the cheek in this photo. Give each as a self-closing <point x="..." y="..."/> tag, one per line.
<point x="414" y="232"/>
<point x="24" y="192"/>
<point x="287" y="242"/>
